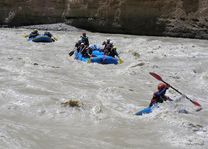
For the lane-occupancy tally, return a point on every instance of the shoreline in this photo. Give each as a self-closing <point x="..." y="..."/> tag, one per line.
<point x="67" y="27"/>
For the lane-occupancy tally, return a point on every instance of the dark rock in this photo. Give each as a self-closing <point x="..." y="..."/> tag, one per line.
<point x="184" y="111"/>
<point x="139" y="64"/>
<point x="136" y="55"/>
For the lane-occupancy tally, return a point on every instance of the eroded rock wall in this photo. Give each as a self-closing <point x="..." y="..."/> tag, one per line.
<point x="26" y="12"/>
<point x="183" y="18"/>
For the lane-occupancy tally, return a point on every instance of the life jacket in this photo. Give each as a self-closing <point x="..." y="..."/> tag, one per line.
<point x="107" y="49"/>
<point x="86" y="52"/>
<point x="33" y="34"/>
<point x="85" y="40"/>
<point x="113" y="52"/>
<point x="48" y="34"/>
<point x="159" y="97"/>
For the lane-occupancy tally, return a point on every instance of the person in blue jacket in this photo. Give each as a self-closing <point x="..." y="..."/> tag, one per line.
<point x="159" y="96"/>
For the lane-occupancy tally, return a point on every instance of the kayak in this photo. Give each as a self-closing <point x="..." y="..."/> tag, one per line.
<point x="41" y="38"/>
<point x="147" y="110"/>
<point x="98" y="57"/>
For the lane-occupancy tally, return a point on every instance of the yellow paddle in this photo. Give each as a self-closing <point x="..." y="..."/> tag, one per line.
<point x="25" y="36"/>
<point x="120" y="61"/>
<point x="89" y="61"/>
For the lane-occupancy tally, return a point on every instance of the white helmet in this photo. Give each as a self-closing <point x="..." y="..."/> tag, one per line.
<point x="91" y="46"/>
<point x="111" y="42"/>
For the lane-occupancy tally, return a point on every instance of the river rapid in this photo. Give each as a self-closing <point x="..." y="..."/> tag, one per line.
<point x="35" y="78"/>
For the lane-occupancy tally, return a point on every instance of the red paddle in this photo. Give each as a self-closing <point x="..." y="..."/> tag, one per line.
<point x="160" y="79"/>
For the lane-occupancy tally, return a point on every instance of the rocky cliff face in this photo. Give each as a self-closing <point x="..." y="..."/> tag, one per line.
<point x="184" y="18"/>
<point x="26" y="12"/>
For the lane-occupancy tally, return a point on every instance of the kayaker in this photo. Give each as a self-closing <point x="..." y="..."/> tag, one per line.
<point x="159" y="96"/>
<point x="85" y="39"/>
<point x="34" y="33"/>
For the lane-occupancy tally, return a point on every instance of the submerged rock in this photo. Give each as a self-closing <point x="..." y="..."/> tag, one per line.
<point x="72" y="103"/>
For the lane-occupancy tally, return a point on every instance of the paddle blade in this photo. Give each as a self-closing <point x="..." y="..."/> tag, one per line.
<point x="25" y="36"/>
<point x="56" y="39"/>
<point x="71" y="53"/>
<point x="199" y="109"/>
<point x="156" y="76"/>
<point x="195" y="103"/>
<point x="89" y="61"/>
<point x="120" y="61"/>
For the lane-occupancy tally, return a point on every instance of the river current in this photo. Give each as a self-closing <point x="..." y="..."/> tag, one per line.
<point x="35" y="78"/>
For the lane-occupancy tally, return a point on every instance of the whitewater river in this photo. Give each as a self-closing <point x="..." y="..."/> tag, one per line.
<point x="35" y="78"/>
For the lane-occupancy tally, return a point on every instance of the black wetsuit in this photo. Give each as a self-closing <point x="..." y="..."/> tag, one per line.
<point x="113" y="52"/>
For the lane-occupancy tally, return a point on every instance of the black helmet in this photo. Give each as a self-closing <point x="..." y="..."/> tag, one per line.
<point x="48" y="34"/>
<point x="35" y="31"/>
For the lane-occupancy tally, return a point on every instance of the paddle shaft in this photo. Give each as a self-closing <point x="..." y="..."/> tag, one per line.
<point x="160" y="79"/>
<point x="177" y="91"/>
<point x="72" y="52"/>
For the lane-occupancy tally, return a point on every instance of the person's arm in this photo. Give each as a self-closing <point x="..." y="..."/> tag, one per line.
<point x="162" y="92"/>
<point x="168" y="98"/>
<point x="90" y="52"/>
<point x="153" y="101"/>
<point x="87" y="41"/>
<point x="116" y="53"/>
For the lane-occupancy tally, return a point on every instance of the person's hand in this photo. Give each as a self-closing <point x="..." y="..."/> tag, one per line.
<point x="167" y="86"/>
<point x="170" y="99"/>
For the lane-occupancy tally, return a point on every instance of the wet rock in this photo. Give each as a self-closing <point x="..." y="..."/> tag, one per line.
<point x="131" y="90"/>
<point x="136" y="55"/>
<point x="10" y="58"/>
<point x="175" y="77"/>
<point x="71" y="103"/>
<point x="35" y="64"/>
<point x="139" y="64"/>
<point x="184" y="111"/>
<point x="155" y="66"/>
<point x="55" y="67"/>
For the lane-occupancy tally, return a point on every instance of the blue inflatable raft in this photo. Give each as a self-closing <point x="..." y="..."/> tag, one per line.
<point x="41" y="38"/>
<point x="98" y="57"/>
<point x="147" y="110"/>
